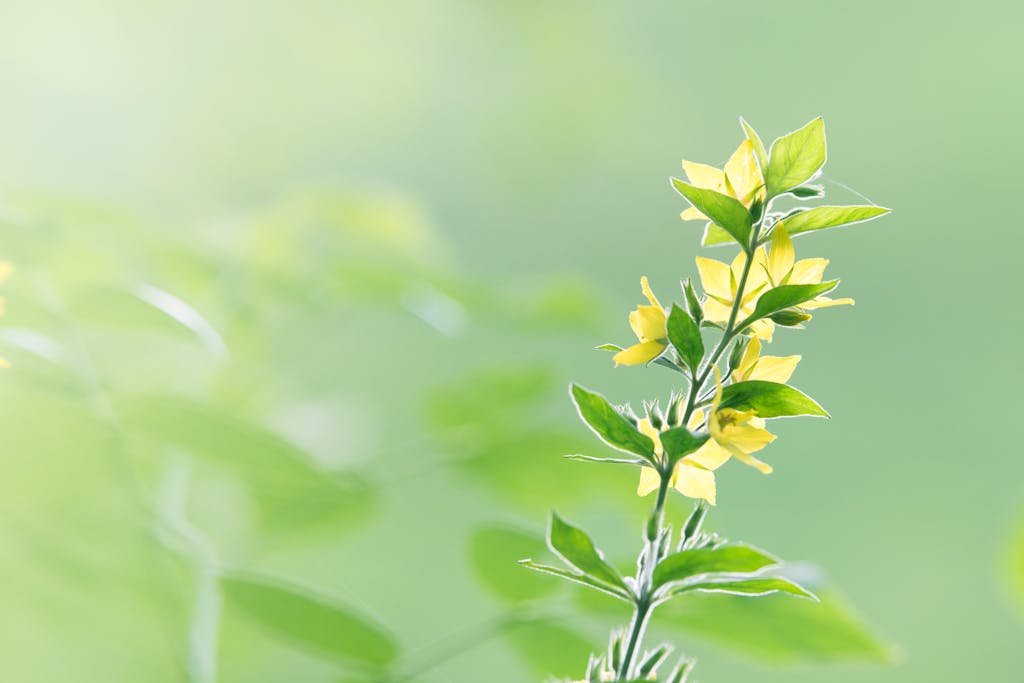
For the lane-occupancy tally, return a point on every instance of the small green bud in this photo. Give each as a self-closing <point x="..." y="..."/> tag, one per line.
<point x="790" y="317"/>
<point x="653" y="659"/>
<point x="673" y="414"/>
<point x="756" y="209"/>
<point x="808" y="191"/>
<point x="694" y="521"/>
<point x="615" y="650"/>
<point x="682" y="671"/>
<point x="737" y="353"/>
<point x="654" y="415"/>
<point x="692" y="301"/>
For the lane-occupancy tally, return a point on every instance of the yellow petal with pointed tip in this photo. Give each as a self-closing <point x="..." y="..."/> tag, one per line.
<point x="748" y="361"/>
<point x="759" y="465"/>
<point x="782" y="255"/>
<point x="695" y="482"/>
<point x="742" y="172"/>
<point x="704" y="176"/>
<point x="808" y="271"/>
<point x="774" y="369"/>
<point x="762" y="329"/>
<point x="638" y="354"/>
<point x="648" y="323"/>
<point x="692" y="214"/>
<point x="649" y="481"/>
<point x="710" y="456"/>
<point x="825" y="302"/>
<point x="714" y="277"/>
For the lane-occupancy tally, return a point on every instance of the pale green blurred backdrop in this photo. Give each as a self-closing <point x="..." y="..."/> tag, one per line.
<point x="380" y="207"/>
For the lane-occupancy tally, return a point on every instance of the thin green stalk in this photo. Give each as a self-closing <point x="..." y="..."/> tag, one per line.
<point x="644" y="602"/>
<point x="644" y="577"/>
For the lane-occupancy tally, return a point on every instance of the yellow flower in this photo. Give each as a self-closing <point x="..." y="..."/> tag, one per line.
<point x="649" y="326"/>
<point x="783" y="269"/>
<point x="720" y="282"/>
<point x="738" y="432"/>
<point x="754" y="366"/>
<point x="693" y="476"/>
<point x="741" y="179"/>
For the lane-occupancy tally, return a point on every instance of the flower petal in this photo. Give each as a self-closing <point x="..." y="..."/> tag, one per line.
<point x="639" y="354"/>
<point x="714" y="277"/>
<point x="710" y="456"/>
<point x="649" y="481"/>
<point x="774" y="368"/>
<point x="648" y="323"/>
<point x="704" y="176"/>
<point x="695" y="482"/>
<point x="692" y="214"/>
<point x="825" y="302"/>
<point x="782" y="255"/>
<point x="808" y="271"/>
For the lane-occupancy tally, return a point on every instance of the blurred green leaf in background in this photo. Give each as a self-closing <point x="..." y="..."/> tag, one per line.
<point x="297" y="291"/>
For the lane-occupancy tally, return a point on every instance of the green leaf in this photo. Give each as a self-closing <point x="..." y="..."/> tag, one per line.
<point x="759" y="152"/>
<point x="714" y="236"/>
<point x="685" y="337"/>
<point x="778" y="629"/>
<point x="795" y="158"/>
<point x="575" y="577"/>
<point x="609" y="425"/>
<point x="770" y="399"/>
<point x="821" y="217"/>
<point x="574" y="546"/>
<point x="609" y="347"/>
<point x="755" y="587"/>
<point x="291" y="490"/>
<point x="494" y="551"/>
<point x="616" y="461"/>
<point x="549" y="648"/>
<point x="734" y="558"/>
<point x="723" y="210"/>
<point x="679" y="442"/>
<point x="309" y="621"/>
<point x="787" y="296"/>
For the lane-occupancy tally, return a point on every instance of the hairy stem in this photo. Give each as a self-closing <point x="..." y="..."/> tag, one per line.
<point x="644" y="601"/>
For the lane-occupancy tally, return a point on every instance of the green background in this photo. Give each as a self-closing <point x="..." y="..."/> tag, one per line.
<point x="408" y="224"/>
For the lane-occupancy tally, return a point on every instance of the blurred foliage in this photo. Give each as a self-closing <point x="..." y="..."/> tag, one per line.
<point x="256" y="148"/>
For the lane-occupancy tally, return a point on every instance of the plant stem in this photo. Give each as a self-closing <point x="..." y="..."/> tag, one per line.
<point x="644" y="601"/>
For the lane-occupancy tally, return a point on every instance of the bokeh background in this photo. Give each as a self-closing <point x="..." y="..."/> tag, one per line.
<point x="299" y="286"/>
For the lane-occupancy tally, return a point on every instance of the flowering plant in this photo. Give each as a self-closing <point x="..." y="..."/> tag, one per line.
<point x="715" y="340"/>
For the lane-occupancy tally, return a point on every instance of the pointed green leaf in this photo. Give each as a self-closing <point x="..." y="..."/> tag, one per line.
<point x="795" y="158"/>
<point x="770" y="399"/>
<point x="685" y="337"/>
<point x="734" y="558"/>
<point x="787" y="296"/>
<point x="312" y="622"/>
<point x="574" y="546"/>
<point x="609" y="425"/>
<point x="821" y="217"/>
<point x="777" y="628"/>
<point x="723" y="210"/>
<point x="609" y="347"/>
<point x="679" y="442"/>
<point x="755" y="139"/>
<point x="550" y="649"/>
<point x="754" y="587"/>
<point x="615" y="461"/>
<point x="575" y="577"/>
